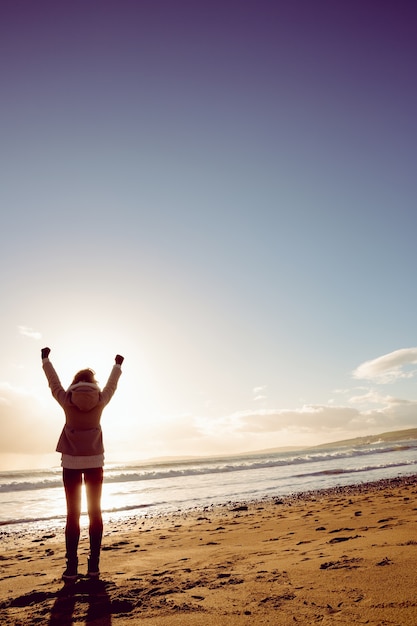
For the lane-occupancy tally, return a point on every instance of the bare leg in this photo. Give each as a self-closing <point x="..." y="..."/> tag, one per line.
<point x="72" y="484"/>
<point x="93" y="484"/>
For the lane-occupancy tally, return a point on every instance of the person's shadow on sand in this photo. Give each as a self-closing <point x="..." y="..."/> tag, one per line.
<point x="91" y="592"/>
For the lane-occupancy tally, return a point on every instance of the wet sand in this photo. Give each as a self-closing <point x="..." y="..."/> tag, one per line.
<point x="341" y="556"/>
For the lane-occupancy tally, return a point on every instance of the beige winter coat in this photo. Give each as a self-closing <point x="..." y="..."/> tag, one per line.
<point x="83" y="405"/>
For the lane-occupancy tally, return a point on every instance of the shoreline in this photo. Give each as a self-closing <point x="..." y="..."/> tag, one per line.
<point x="328" y="555"/>
<point x="12" y="527"/>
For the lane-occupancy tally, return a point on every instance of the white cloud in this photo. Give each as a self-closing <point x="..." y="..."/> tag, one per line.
<point x="259" y="393"/>
<point x="330" y="422"/>
<point x="389" y="367"/>
<point x="369" y="396"/>
<point x="314" y="418"/>
<point x="25" y="331"/>
<point x="24" y="428"/>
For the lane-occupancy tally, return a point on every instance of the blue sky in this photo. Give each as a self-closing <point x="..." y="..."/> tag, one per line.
<point x="223" y="192"/>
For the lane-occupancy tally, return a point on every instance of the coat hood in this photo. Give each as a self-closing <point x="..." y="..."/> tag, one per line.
<point x="85" y="396"/>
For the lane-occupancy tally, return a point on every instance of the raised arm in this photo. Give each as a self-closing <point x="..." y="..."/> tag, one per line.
<point x="111" y="384"/>
<point x="57" y="389"/>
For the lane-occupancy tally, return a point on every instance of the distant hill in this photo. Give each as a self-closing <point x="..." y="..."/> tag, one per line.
<point x="395" y="435"/>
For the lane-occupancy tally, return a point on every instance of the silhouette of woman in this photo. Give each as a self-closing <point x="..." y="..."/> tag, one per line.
<point x="82" y="450"/>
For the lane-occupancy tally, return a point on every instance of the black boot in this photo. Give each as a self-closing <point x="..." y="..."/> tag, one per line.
<point x="93" y="568"/>
<point x="71" y="573"/>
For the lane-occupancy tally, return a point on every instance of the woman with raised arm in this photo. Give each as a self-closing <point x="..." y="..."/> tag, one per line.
<point x="82" y="450"/>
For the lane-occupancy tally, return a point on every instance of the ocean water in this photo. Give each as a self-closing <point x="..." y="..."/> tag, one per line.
<point x="33" y="500"/>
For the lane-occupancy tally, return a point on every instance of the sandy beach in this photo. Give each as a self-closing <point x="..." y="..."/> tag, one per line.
<point x="342" y="556"/>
